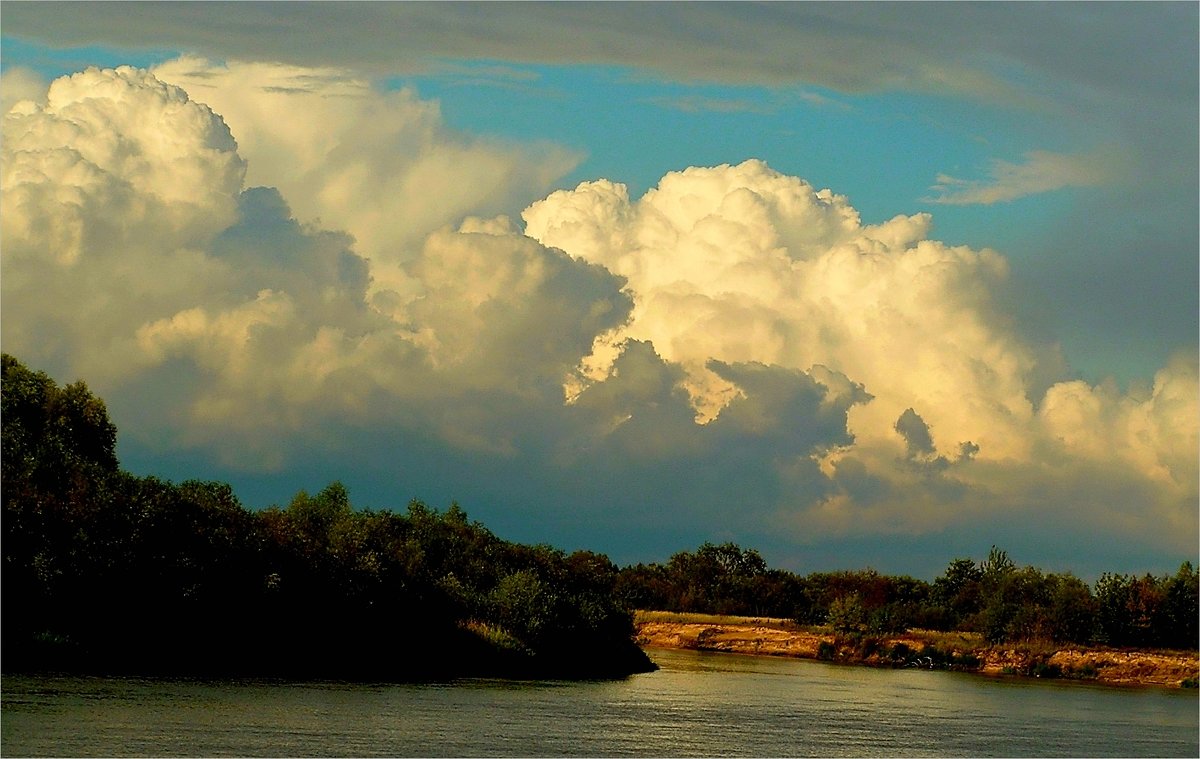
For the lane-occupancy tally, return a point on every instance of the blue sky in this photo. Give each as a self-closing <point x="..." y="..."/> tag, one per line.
<point x="636" y="127"/>
<point x="1063" y="138"/>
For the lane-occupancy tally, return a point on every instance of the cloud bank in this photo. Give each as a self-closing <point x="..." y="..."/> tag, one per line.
<point x="982" y="51"/>
<point x="734" y="351"/>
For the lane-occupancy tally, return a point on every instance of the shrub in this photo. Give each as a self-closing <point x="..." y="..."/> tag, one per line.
<point x="494" y="636"/>
<point x="967" y="661"/>
<point x="869" y="646"/>
<point x="706" y="637"/>
<point x="900" y="653"/>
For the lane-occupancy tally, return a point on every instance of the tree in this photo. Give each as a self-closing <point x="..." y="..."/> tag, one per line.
<point x="1073" y="611"/>
<point x="958" y="591"/>
<point x="996" y="568"/>
<point x="1112" y="595"/>
<point x="64" y="519"/>
<point x="52" y="435"/>
<point x="1181" y="608"/>
<point x="847" y="615"/>
<point x="521" y="603"/>
<point x="720" y="579"/>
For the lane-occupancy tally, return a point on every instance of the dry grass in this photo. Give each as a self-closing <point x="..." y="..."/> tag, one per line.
<point x="493" y="635"/>
<point x="642" y="616"/>
<point x="945" y="641"/>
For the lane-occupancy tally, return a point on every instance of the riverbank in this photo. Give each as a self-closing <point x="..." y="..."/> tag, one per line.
<point x="918" y="648"/>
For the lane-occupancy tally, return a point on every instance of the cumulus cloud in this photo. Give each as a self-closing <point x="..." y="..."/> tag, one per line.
<point x="136" y="256"/>
<point x="495" y="303"/>
<point x="18" y="83"/>
<point x="381" y="166"/>
<point x="743" y="264"/>
<point x="1041" y="172"/>
<point x="112" y="185"/>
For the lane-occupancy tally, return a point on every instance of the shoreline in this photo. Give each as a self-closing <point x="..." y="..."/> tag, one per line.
<point x="966" y="652"/>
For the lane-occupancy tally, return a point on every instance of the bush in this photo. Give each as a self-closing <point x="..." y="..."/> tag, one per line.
<point x="867" y="646"/>
<point x="935" y="658"/>
<point x="1045" y="669"/>
<point x="967" y="661"/>
<point x="900" y="653"/>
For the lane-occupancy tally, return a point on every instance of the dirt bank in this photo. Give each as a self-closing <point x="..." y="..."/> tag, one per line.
<point x="961" y="651"/>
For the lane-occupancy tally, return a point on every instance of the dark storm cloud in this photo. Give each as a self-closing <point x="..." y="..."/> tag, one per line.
<point x="915" y="432"/>
<point x="936" y="47"/>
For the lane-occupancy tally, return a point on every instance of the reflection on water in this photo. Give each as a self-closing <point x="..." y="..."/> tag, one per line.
<point x="697" y="704"/>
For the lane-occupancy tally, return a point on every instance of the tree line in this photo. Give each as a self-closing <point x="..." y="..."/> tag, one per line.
<point x="104" y="570"/>
<point x="993" y="597"/>
<point x="108" y="571"/>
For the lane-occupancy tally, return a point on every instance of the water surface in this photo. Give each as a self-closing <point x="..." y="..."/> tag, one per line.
<point x="697" y="704"/>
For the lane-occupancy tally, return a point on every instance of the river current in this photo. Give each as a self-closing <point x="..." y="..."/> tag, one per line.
<point x="697" y="704"/>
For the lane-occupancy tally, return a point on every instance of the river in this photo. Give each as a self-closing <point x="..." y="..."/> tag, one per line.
<point x="696" y="704"/>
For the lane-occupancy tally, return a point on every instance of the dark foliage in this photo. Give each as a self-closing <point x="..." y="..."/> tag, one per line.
<point x="993" y="597"/>
<point x="104" y="571"/>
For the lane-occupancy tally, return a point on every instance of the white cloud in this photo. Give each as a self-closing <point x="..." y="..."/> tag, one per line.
<point x="18" y="83"/>
<point x="1154" y="432"/>
<point x="134" y="257"/>
<point x="496" y="305"/>
<point x="1041" y="172"/>
<point x="112" y="186"/>
<point x="742" y="264"/>
<point x="380" y="165"/>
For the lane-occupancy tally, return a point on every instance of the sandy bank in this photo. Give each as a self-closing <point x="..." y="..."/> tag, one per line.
<point x="954" y="650"/>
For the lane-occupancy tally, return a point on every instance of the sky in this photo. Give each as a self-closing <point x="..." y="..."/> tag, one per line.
<point x="856" y="285"/>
